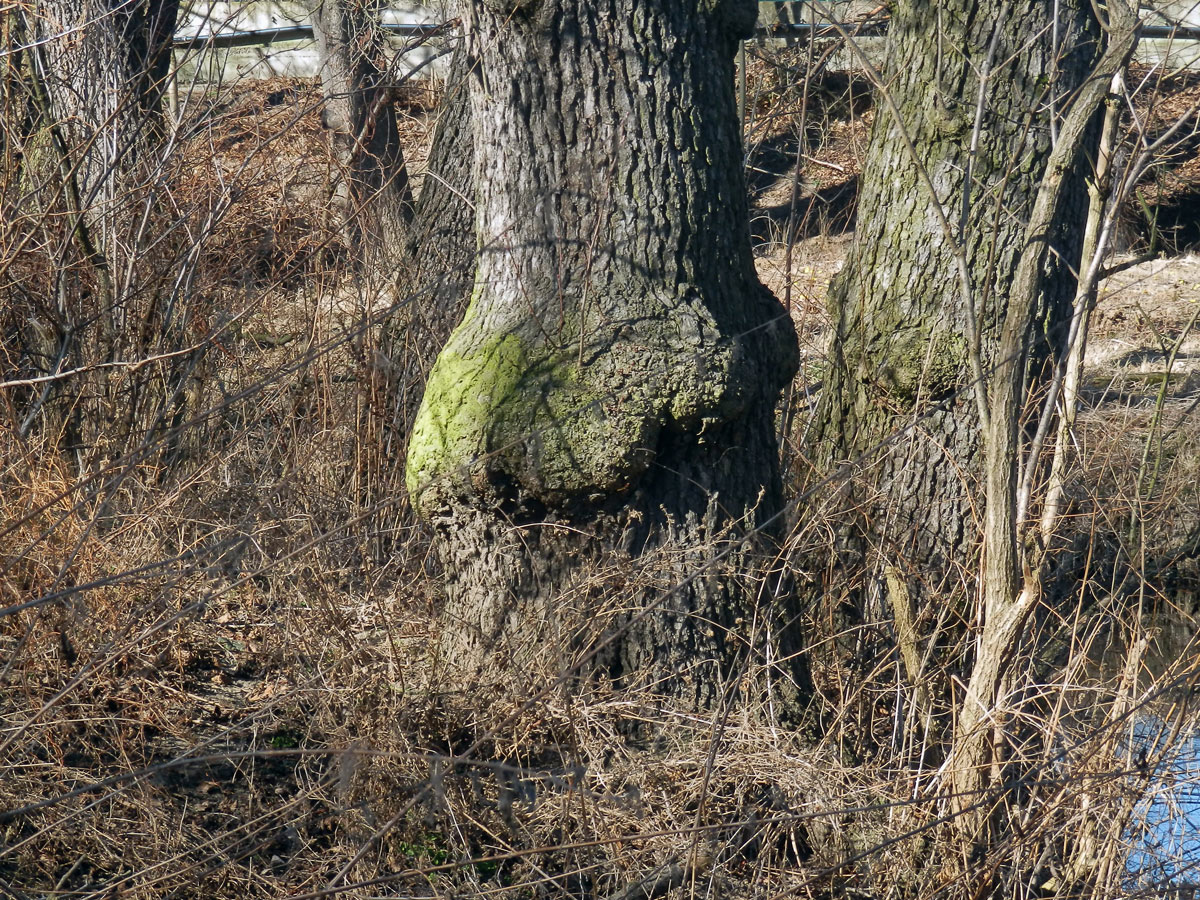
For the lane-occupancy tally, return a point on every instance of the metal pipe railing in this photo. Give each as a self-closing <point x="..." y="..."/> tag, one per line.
<point x="268" y="36"/>
<point x="875" y="28"/>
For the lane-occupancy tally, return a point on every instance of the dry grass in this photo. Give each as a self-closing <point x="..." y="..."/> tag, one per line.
<point x="218" y="635"/>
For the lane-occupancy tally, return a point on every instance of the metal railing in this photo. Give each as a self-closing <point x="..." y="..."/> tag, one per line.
<point x="872" y="28"/>
<point x="267" y="36"/>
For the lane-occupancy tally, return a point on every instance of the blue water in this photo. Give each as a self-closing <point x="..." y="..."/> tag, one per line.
<point x="1165" y="835"/>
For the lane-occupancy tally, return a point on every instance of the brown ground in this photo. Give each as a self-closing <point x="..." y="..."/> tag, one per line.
<point x="269" y="716"/>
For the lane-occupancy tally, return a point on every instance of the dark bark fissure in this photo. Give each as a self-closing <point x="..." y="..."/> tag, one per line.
<point x="605" y="411"/>
<point x="441" y="241"/>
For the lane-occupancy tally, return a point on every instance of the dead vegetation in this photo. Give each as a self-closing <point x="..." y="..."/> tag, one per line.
<point x="218" y="643"/>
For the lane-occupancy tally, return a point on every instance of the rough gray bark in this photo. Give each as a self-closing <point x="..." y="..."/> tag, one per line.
<point x="104" y="64"/>
<point x="373" y="190"/>
<point x="97" y="71"/>
<point x="607" y="402"/>
<point x="899" y="400"/>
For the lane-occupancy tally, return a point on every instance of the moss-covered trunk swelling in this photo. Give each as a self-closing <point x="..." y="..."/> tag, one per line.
<point x="610" y="392"/>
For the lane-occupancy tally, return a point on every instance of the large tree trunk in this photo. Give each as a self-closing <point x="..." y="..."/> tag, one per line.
<point x="957" y="293"/>
<point x="97" y="73"/>
<point x="608" y="400"/>
<point x="900" y="399"/>
<point x="372" y="190"/>
<point x="103" y="65"/>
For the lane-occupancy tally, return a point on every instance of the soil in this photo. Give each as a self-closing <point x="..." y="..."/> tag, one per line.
<point x="1145" y="320"/>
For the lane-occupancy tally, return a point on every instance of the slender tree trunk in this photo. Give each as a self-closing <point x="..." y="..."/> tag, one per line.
<point x="17" y="111"/>
<point x="373" y="189"/>
<point x="15" y="106"/>
<point x="607" y="404"/>
<point x="1014" y="563"/>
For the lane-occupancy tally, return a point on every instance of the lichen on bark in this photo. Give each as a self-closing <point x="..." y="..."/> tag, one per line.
<point x="899" y="342"/>
<point x="576" y="416"/>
